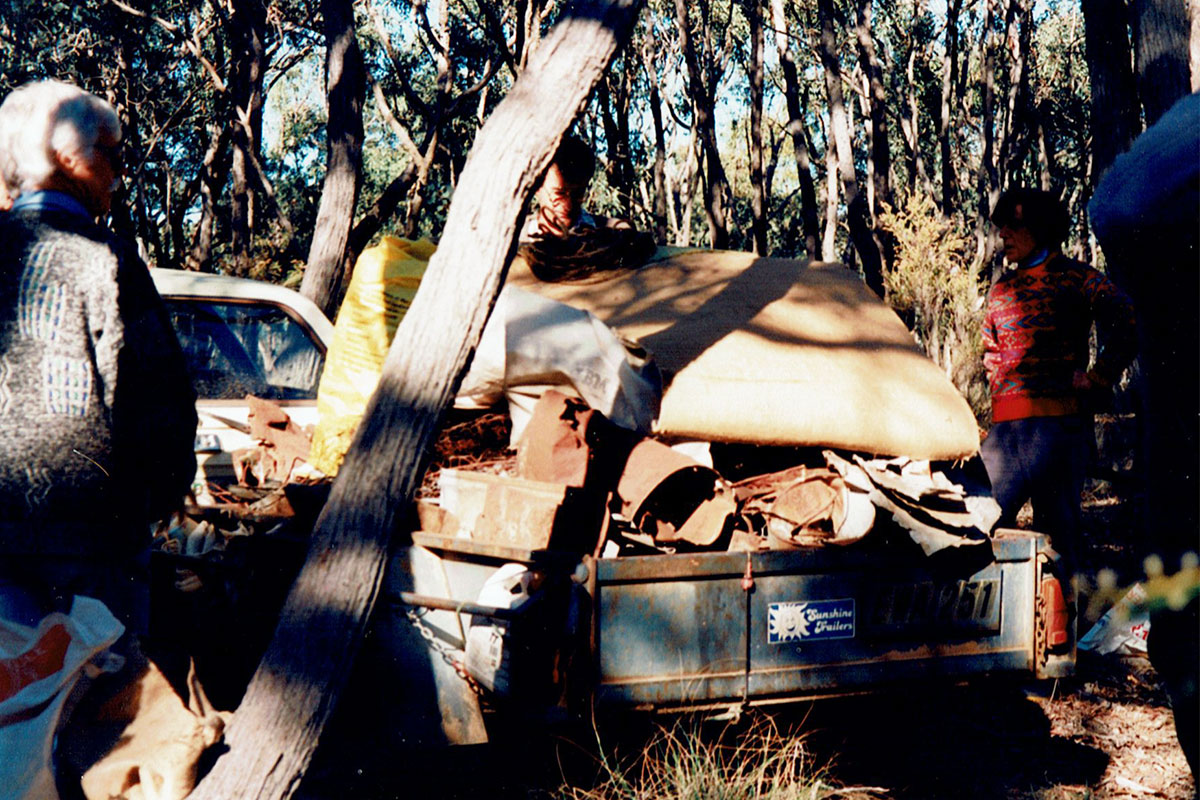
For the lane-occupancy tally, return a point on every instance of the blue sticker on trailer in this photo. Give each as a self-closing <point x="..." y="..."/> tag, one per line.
<point x="810" y="621"/>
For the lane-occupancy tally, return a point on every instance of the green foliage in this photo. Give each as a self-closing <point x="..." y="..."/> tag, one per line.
<point x="687" y="762"/>
<point x="934" y="289"/>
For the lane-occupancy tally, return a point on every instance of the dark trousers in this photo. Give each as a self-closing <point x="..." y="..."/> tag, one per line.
<point x="1042" y="460"/>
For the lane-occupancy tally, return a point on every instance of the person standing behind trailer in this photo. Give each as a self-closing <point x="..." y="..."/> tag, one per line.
<point x="1040" y="313"/>
<point x="97" y="413"/>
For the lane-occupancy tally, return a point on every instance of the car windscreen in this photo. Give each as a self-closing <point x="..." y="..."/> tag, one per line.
<point x="238" y="348"/>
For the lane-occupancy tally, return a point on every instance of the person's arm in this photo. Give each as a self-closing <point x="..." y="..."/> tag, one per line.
<point x="1116" y="329"/>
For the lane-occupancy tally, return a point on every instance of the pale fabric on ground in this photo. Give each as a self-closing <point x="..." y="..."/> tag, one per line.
<point x="775" y="351"/>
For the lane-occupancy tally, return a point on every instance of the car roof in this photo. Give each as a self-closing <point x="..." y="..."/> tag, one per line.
<point x="181" y="283"/>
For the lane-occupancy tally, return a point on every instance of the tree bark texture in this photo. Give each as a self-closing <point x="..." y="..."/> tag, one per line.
<point x="1016" y="131"/>
<point x="987" y="179"/>
<point x="857" y="213"/>
<point x="1161" y="44"/>
<point x="702" y="90"/>
<point x="345" y="85"/>
<point x="949" y="84"/>
<point x="247" y="29"/>
<point x="795" y="127"/>
<point x="758" y="191"/>
<point x="1114" y="94"/>
<point x="881" y="155"/>
<point x="660" y="143"/>
<point x="299" y="680"/>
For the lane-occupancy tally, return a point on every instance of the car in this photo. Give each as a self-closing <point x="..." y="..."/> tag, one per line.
<point x="243" y="337"/>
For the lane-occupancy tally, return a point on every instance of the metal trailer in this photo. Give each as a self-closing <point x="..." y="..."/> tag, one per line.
<point x="713" y="630"/>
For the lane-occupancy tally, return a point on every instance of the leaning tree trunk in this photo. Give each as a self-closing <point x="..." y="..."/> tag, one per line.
<point x="856" y="207"/>
<point x="1110" y="69"/>
<point x="795" y="127"/>
<point x="1161" y="39"/>
<point x="345" y="82"/>
<point x="296" y="687"/>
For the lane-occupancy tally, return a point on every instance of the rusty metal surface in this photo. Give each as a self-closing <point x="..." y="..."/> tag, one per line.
<point x="672" y="497"/>
<point x="522" y="513"/>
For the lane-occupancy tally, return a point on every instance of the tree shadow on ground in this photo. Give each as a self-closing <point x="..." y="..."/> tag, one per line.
<point x="948" y="743"/>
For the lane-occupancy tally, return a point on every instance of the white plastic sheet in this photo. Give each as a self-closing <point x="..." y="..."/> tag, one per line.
<point x="38" y="668"/>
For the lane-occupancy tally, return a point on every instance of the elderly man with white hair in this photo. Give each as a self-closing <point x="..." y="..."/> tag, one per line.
<point x="97" y="414"/>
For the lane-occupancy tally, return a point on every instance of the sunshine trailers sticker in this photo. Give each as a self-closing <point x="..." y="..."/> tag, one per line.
<point x="809" y="621"/>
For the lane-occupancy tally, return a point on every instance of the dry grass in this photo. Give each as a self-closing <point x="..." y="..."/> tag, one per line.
<point x="691" y="760"/>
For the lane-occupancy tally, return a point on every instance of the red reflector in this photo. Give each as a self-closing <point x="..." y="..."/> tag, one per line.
<point x="1056" y="612"/>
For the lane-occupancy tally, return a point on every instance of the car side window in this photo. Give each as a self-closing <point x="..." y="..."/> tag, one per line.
<point x="238" y="348"/>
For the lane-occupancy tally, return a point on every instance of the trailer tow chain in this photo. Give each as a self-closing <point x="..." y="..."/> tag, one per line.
<point x="444" y="650"/>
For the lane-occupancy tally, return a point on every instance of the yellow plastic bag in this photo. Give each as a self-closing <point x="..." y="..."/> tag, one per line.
<point x="385" y="280"/>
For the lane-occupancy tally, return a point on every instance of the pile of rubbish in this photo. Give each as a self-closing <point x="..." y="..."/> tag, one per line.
<point x="583" y="484"/>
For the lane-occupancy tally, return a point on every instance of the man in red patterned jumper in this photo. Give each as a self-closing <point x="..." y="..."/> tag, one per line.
<point x="1040" y="312"/>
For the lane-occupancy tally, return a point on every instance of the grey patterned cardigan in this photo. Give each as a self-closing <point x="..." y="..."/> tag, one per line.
<point x="97" y="414"/>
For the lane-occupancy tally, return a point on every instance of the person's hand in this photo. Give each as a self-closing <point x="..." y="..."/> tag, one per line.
<point x="550" y="224"/>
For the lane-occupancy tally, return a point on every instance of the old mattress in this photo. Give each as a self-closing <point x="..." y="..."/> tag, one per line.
<point x="776" y="351"/>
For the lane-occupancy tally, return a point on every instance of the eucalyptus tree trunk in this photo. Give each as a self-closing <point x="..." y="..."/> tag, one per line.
<point x="213" y="173"/>
<point x="857" y="221"/>
<point x="297" y="685"/>
<point x="1161" y="40"/>
<point x="247" y="31"/>
<point x="1114" y="106"/>
<point x="796" y="128"/>
<point x="658" y="172"/>
<point x="758" y="189"/>
<point x="987" y="178"/>
<point x="702" y="91"/>
<point x="614" y="96"/>
<point x="829" y="234"/>
<point x="949" y="84"/>
<point x="345" y="83"/>
<point x="1016" y="133"/>
<point x="881" y="153"/>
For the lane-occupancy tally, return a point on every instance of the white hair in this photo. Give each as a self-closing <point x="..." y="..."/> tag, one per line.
<point x="40" y="120"/>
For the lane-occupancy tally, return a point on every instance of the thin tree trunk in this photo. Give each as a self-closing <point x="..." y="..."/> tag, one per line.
<point x="703" y="102"/>
<point x="856" y="208"/>
<point x="212" y="177"/>
<point x="1046" y="162"/>
<point x="949" y="82"/>
<point x="1194" y="43"/>
<point x="829" y="237"/>
<point x="881" y="154"/>
<point x="1161" y="45"/>
<point x="1016" y="129"/>
<point x="345" y="82"/>
<point x="660" y="143"/>
<point x="758" y="191"/>
<point x="795" y="127"/>
<point x="987" y="180"/>
<point x="247" y="23"/>
<point x="1110" y="68"/>
<point x="297" y="685"/>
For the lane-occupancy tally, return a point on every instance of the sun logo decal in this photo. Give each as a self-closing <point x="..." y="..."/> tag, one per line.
<point x="788" y="622"/>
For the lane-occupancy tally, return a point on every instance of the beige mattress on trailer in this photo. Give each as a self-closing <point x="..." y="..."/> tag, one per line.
<point x="776" y="351"/>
